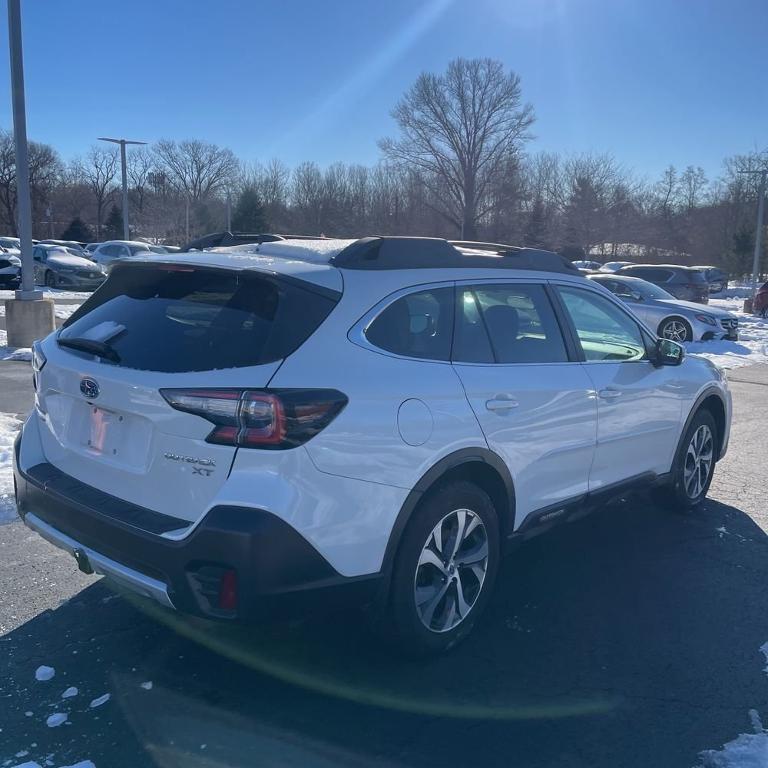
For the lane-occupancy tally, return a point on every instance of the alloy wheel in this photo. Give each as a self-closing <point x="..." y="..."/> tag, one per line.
<point x="675" y="330"/>
<point x="698" y="461"/>
<point x="451" y="570"/>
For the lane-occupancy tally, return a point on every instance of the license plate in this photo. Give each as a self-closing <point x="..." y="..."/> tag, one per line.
<point x="103" y="431"/>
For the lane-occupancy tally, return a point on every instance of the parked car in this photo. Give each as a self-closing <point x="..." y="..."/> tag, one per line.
<point x="614" y="266"/>
<point x="376" y="419"/>
<point x="684" y="283"/>
<point x="59" y="267"/>
<point x="11" y="244"/>
<point x="716" y="277"/>
<point x="10" y="269"/>
<point x="171" y="248"/>
<point x="73" y="244"/>
<point x="761" y="301"/>
<point x="112" y="250"/>
<point x="90" y="248"/>
<point x="587" y="265"/>
<point x="667" y="316"/>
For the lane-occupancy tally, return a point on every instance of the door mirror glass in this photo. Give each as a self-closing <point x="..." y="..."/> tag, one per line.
<point x="669" y="352"/>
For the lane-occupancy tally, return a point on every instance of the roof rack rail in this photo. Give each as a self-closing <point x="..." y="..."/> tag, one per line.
<point x="379" y="253"/>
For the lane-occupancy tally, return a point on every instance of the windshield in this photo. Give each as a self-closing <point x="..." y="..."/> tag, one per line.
<point x="647" y="290"/>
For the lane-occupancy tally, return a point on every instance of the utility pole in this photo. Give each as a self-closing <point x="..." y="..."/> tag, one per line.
<point x="763" y="173"/>
<point x="124" y="171"/>
<point x="28" y="316"/>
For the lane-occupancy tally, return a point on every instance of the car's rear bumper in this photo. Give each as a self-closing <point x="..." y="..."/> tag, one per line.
<point x="277" y="570"/>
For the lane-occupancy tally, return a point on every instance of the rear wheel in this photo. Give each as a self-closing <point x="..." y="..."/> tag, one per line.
<point x="444" y="570"/>
<point x="694" y="465"/>
<point x="764" y="313"/>
<point x="50" y="280"/>
<point x="676" y="329"/>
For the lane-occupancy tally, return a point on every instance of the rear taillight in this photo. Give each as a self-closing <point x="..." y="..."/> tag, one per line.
<point x="260" y="418"/>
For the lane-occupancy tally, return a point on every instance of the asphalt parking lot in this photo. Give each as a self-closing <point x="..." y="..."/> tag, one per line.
<point x="629" y="638"/>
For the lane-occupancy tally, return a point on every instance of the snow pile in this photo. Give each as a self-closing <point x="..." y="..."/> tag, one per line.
<point x="51" y="293"/>
<point x="752" y="346"/>
<point x="9" y="426"/>
<point x="749" y="750"/>
<point x="12" y="353"/>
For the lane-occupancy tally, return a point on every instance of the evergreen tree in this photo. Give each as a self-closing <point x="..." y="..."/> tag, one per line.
<point x="535" y="235"/>
<point x="249" y="215"/>
<point x="78" y="230"/>
<point x="114" y="224"/>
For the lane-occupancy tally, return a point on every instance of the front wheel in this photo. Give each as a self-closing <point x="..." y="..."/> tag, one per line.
<point x="694" y="464"/>
<point x="444" y="570"/>
<point x="50" y="280"/>
<point x="676" y="329"/>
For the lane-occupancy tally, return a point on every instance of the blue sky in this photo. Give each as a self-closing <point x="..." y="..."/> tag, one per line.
<point x="652" y="81"/>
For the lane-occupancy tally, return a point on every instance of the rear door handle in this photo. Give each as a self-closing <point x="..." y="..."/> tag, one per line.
<point x="501" y="404"/>
<point x="609" y="394"/>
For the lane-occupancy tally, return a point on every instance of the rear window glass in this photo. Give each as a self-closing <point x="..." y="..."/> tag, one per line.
<point x="190" y="319"/>
<point x="694" y="276"/>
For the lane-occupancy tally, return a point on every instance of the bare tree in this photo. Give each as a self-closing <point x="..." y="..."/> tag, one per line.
<point x="98" y="171"/>
<point x="458" y="129"/>
<point x="44" y="174"/>
<point x="197" y="169"/>
<point x="693" y="184"/>
<point x="141" y="163"/>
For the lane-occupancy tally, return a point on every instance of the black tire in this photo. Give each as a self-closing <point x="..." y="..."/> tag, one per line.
<point x="50" y="280"/>
<point x="680" y="494"/>
<point x="403" y="619"/>
<point x="672" y="327"/>
<point x="764" y="313"/>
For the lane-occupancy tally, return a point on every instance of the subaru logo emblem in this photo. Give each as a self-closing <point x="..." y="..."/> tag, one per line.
<point x="89" y="388"/>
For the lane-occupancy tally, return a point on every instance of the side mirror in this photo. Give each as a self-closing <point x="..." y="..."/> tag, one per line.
<point x="669" y="352"/>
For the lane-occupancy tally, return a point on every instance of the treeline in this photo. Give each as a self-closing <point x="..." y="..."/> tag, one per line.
<point x="452" y="172"/>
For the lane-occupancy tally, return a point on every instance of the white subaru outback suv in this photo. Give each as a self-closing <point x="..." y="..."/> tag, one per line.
<point x="375" y="419"/>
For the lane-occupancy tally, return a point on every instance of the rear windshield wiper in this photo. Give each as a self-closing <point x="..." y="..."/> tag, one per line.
<point x="98" y="348"/>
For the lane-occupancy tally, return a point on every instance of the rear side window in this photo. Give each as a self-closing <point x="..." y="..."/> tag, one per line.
<point x="694" y="276"/>
<point x="418" y="325"/>
<point x="196" y="319"/>
<point x="507" y="324"/>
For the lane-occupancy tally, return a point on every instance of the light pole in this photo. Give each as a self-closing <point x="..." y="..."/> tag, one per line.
<point x="27" y="316"/>
<point x="122" y="143"/>
<point x="23" y="203"/>
<point x="763" y="173"/>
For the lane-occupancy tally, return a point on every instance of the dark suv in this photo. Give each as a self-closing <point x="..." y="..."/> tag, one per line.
<point x="686" y="283"/>
<point x="716" y="277"/>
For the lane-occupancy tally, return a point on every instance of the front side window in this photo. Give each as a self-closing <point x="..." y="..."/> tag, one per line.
<point x="605" y="332"/>
<point x="418" y="325"/>
<point x="509" y="323"/>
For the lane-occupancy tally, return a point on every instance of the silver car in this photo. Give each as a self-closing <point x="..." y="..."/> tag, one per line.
<point x="670" y="317"/>
<point x="57" y="266"/>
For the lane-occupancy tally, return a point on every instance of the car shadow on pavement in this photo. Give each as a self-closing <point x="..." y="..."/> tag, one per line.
<point x="629" y="638"/>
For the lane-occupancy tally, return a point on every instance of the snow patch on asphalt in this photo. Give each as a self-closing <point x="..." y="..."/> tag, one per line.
<point x="70" y="692"/>
<point x="748" y="750"/>
<point x="12" y="353"/>
<point x="9" y="426"/>
<point x="147" y="686"/>
<point x="56" y="719"/>
<point x="81" y="764"/>
<point x="100" y="700"/>
<point x="44" y="673"/>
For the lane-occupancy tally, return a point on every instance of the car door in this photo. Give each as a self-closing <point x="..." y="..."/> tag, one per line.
<point x="533" y="401"/>
<point x="639" y="405"/>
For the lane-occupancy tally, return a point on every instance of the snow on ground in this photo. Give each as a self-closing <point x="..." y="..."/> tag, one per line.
<point x="9" y="425"/>
<point x="748" y="750"/>
<point x="752" y="346"/>
<point x="51" y="293"/>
